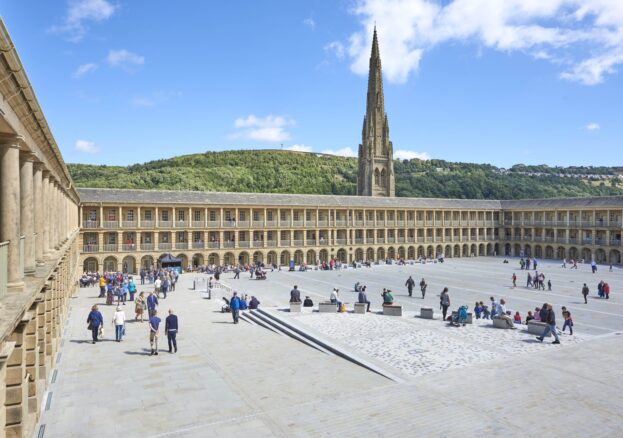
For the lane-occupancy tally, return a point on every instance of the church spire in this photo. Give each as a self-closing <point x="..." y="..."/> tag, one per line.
<point x="376" y="166"/>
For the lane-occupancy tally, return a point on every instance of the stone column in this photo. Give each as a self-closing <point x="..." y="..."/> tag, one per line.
<point x="27" y="218"/>
<point x="10" y="207"/>
<point x="38" y="211"/>
<point x="45" y="212"/>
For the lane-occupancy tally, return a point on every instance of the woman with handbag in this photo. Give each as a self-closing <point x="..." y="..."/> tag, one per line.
<point x="140" y="306"/>
<point x="95" y="321"/>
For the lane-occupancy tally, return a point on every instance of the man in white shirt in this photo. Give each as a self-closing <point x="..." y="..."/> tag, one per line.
<point x="158" y="284"/>
<point x="335" y="299"/>
<point x="502" y="315"/>
<point x="119" y="321"/>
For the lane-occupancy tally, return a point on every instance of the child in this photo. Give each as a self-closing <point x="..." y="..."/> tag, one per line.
<point x="530" y="317"/>
<point x="537" y="313"/>
<point x="485" y="311"/>
<point x="568" y="321"/>
<point x="549" y="285"/>
<point x="477" y="310"/>
<point x="517" y="318"/>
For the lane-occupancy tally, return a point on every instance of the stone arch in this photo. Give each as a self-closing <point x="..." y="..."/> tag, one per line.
<point x="507" y="249"/>
<point x="298" y="257"/>
<point x="271" y="257"/>
<point x="110" y="264"/>
<point x="615" y="256"/>
<point x="359" y="254"/>
<point x="421" y="252"/>
<point x="229" y="259"/>
<point x="490" y="249"/>
<point x="438" y="250"/>
<point x="411" y="253"/>
<point x="465" y="250"/>
<point x="517" y="250"/>
<point x="128" y="265"/>
<point x="549" y="252"/>
<point x="573" y="253"/>
<point x="214" y="259"/>
<point x="600" y="255"/>
<point x="342" y="256"/>
<point x="380" y="254"/>
<point x="481" y="250"/>
<point x="587" y="255"/>
<point x="448" y="251"/>
<point x="430" y="252"/>
<point x="370" y="254"/>
<point x="147" y="262"/>
<point x="473" y="249"/>
<point x="258" y="256"/>
<point x="561" y="252"/>
<point x="284" y="259"/>
<point x="457" y="251"/>
<point x="197" y="259"/>
<point x="528" y="251"/>
<point x="391" y="253"/>
<point x="90" y="264"/>
<point x="383" y="178"/>
<point x="538" y="251"/>
<point x="184" y="259"/>
<point x="323" y="255"/>
<point x="243" y="258"/>
<point x="401" y="252"/>
<point x="311" y="257"/>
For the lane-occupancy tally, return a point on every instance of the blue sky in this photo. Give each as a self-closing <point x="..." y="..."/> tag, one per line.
<point x="519" y="81"/>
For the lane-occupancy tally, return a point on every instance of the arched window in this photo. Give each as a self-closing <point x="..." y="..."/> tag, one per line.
<point x="376" y="177"/>
<point x="383" y="178"/>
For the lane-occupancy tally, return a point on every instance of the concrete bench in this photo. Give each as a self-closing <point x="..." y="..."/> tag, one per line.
<point x="537" y="328"/>
<point x="392" y="310"/>
<point x="327" y="307"/>
<point x="360" y="307"/>
<point x="295" y="307"/>
<point x="469" y="317"/>
<point x="500" y="323"/>
<point x="426" y="312"/>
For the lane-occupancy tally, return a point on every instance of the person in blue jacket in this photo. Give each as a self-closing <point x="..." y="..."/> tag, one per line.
<point x="234" y="305"/>
<point x="95" y="321"/>
<point x="131" y="289"/>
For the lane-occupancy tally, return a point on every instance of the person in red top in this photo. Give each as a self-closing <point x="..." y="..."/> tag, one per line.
<point x="607" y="290"/>
<point x="568" y="321"/>
<point x="517" y="318"/>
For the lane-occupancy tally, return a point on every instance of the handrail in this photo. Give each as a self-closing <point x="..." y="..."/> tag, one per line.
<point x="4" y="266"/>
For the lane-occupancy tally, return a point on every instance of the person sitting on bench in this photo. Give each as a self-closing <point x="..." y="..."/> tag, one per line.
<point x="363" y="298"/>
<point x="308" y="302"/>
<point x="388" y="298"/>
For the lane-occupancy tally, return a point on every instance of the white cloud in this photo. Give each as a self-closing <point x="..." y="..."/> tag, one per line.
<point x="84" y="69"/>
<point x="299" y="148"/>
<point x="79" y="13"/>
<point x="86" y="146"/>
<point x="344" y="152"/>
<point x="269" y="129"/>
<point x="143" y="102"/>
<point x="402" y="154"/>
<point x="309" y="22"/>
<point x="337" y="48"/>
<point x="124" y="59"/>
<point x="592" y="126"/>
<point x="587" y="34"/>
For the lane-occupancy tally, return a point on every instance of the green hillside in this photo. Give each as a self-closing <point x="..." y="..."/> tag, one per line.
<point x="277" y="171"/>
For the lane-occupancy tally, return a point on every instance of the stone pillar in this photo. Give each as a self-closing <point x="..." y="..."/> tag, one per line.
<point x="38" y="211"/>
<point x="45" y="212"/>
<point x="10" y="207"/>
<point x="27" y="218"/>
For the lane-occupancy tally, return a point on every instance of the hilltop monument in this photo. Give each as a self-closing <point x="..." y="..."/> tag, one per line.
<point x="376" y="165"/>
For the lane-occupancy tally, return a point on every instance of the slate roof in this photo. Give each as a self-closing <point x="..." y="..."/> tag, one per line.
<point x="167" y="197"/>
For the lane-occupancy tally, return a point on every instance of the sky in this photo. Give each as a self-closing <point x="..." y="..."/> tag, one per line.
<point x="483" y="81"/>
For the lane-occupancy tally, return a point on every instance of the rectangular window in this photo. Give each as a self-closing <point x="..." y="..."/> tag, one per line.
<point x="181" y="214"/>
<point x="256" y="216"/>
<point x="130" y="215"/>
<point x="92" y="215"/>
<point x="197" y="216"/>
<point x="296" y="215"/>
<point x="228" y="215"/>
<point x="269" y="215"/>
<point x="112" y="239"/>
<point x="213" y="216"/>
<point x="181" y="236"/>
<point x="112" y="215"/>
<point x="242" y="215"/>
<point x="147" y="215"/>
<point x="283" y="215"/>
<point x="164" y="237"/>
<point x="165" y="215"/>
<point x="197" y="236"/>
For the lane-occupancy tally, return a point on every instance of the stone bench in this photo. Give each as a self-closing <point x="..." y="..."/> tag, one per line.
<point x="393" y="310"/>
<point x="360" y="307"/>
<point x="295" y="307"/>
<point x="500" y="323"/>
<point x="469" y="317"/>
<point x="327" y="307"/>
<point x="426" y="312"/>
<point x="537" y="328"/>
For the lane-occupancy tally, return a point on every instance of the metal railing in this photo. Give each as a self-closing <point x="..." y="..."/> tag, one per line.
<point x="111" y="247"/>
<point x="4" y="267"/>
<point x="165" y="246"/>
<point x="90" y="224"/>
<point x="90" y="248"/>
<point x="147" y="224"/>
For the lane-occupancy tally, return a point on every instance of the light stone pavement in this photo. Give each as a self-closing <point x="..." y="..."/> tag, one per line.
<point x="244" y="380"/>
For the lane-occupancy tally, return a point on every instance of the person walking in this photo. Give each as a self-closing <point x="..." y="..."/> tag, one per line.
<point x="568" y="320"/>
<point x="585" y="293"/>
<point x="551" y="325"/>
<point x="154" y="327"/>
<point x="157" y="286"/>
<point x="95" y="321"/>
<point x="118" y="321"/>
<point x="234" y="305"/>
<point x="444" y="302"/>
<point x="606" y="289"/>
<point x="171" y="328"/>
<point x="131" y="289"/>
<point x="237" y="272"/>
<point x="514" y="278"/>
<point x="102" y="287"/>
<point x="140" y="306"/>
<point x="410" y="284"/>
<point x="295" y="295"/>
<point x="423" y="287"/>
<point x="152" y="304"/>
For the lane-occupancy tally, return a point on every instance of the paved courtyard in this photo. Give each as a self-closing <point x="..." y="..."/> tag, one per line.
<point x="245" y="380"/>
